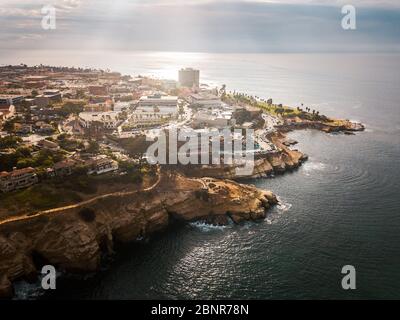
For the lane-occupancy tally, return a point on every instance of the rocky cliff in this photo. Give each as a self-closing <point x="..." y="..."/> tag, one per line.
<point x="73" y="238"/>
<point x="329" y="126"/>
<point x="283" y="159"/>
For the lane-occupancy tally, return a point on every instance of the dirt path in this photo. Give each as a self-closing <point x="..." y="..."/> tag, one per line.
<point x="80" y="204"/>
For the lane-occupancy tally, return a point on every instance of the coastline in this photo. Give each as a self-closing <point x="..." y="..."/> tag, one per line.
<point x="73" y="237"/>
<point x="90" y="229"/>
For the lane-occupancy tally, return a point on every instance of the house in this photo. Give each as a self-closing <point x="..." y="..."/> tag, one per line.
<point x="53" y="95"/>
<point x="64" y="168"/>
<point x="98" y="107"/>
<point x="17" y="179"/>
<point x="101" y="165"/>
<point x="10" y="99"/>
<point x="98" y="90"/>
<point x="42" y="101"/>
<point x="22" y="128"/>
<point x="48" y="96"/>
<point x="47" y="144"/>
<point x="44" y="128"/>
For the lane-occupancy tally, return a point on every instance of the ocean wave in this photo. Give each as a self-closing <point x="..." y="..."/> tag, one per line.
<point x="25" y="290"/>
<point x="283" y="205"/>
<point x="313" y="166"/>
<point x="206" y="227"/>
<point x="268" y="220"/>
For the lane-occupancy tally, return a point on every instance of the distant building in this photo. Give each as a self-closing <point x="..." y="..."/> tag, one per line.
<point x="100" y="99"/>
<point x="34" y="84"/>
<point x="8" y="100"/>
<point x="189" y="77"/>
<point x="22" y="128"/>
<point x="47" y="144"/>
<point x="158" y="100"/>
<point x="44" y="128"/>
<point x="143" y="119"/>
<point x="109" y="119"/>
<point x="98" y="107"/>
<point x="49" y="96"/>
<point x="41" y="101"/>
<point x="63" y="168"/>
<point x="101" y="165"/>
<point x="213" y="119"/>
<point x="205" y="100"/>
<point x="54" y="95"/>
<point x="162" y="104"/>
<point x="17" y="179"/>
<point x="121" y="106"/>
<point x="98" y="90"/>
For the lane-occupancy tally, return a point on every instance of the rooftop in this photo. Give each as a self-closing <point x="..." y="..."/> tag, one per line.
<point x="17" y="172"/>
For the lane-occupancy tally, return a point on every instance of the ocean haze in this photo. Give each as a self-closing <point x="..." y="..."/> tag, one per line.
<point x="340" y="208"/>
<point x="203" y="26"/>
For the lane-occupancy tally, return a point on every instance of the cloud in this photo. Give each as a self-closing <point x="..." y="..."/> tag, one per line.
<point x="356" y="3"/>
<point x="31" y="8"/>
<point x="202" y="25"/>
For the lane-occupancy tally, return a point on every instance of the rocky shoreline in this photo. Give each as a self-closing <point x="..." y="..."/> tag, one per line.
<point x="345" y="126"/>
<point x="73" y="238"/>
<point x="285" y="159"/>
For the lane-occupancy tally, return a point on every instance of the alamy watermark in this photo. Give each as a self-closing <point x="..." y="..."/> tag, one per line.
<point x="230" y="147"/>
<point x="349" y="21"/>
<point x="49" y="277"/>
<point x="49" y="17"/>
<point x="349" y="280"/>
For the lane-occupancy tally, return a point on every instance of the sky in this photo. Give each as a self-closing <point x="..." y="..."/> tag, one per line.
<point x="202" y="25"/>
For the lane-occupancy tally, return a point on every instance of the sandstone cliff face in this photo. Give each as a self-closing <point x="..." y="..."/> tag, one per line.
<point x="73" y="238"/>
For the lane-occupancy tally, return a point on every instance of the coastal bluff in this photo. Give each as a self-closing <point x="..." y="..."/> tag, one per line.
<point x="283" y="160"/>
<point x="73" y="238"/>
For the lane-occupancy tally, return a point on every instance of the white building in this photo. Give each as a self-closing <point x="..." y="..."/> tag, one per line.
<point x="213" y="119"/>
<point x="205" y="100"/>
<point x="109" y="119"/>
<point x="189" y="78"/>
<point x="101" y="165"/>
<point x="158" y="100"/>
<point x="121" y="106"/>
<point x="163" y="104"/>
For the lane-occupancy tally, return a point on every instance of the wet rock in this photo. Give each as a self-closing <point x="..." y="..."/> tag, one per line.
<point x="6" y="288"/>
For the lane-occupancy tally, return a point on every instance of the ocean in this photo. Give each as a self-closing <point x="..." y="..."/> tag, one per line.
<point x="340" y="208"/>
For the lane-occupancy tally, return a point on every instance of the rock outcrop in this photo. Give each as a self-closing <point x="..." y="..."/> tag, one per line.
<point x="279" y="161"/>
<point x="74" y="237"/>
<point x="328" y="126"/>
